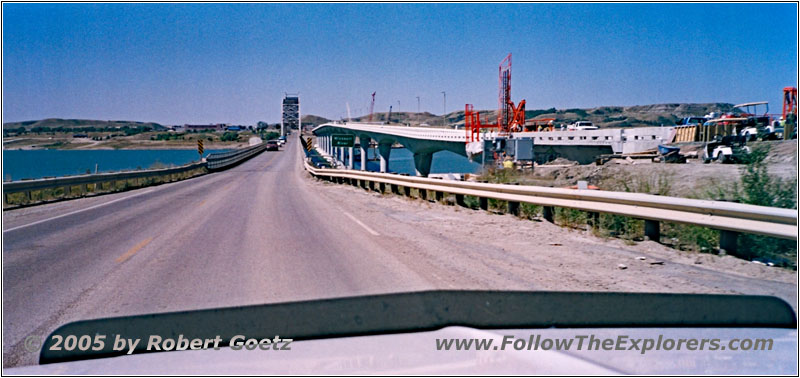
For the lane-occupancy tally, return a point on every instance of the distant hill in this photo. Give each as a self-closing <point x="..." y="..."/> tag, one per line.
<point x="604" y="116"/>
<point x="52" y="123"/>
<point x="316" y="120"/>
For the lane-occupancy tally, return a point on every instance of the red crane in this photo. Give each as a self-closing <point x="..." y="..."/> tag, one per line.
<point x="789" y="102"/>
<point x="510" y="118"/>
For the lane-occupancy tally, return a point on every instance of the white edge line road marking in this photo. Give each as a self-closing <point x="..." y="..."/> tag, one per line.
<point x="371" y="231"/>
<point x="77" y="211"/>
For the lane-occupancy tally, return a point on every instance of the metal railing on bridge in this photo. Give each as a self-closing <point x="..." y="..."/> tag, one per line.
<point x="49" y="189"/>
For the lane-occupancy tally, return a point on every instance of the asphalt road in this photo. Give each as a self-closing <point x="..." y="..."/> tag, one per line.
<point x="266" y="232"/>
<point x="250" y="235"/>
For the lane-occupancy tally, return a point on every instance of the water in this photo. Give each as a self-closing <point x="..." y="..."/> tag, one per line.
<point x="32" y="164"/>
<point x="401" y="160"/>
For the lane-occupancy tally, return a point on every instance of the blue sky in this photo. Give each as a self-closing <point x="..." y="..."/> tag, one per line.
<point x="232" y="63"/>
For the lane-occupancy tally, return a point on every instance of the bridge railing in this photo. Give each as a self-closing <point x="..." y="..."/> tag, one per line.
<point x="48" y="189"/>
<point x="228" y="159"/>
<point x="22" y="192"/>
<point x="730" y="218"/>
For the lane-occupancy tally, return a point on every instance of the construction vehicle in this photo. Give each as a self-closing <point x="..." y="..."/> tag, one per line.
<point x="727" y="149"/>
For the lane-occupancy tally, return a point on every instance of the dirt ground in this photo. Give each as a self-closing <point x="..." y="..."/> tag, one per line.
<point x="473" y="249"/>
<point x="692" y="179"/>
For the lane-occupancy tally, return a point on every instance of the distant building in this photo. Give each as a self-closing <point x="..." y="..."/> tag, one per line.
<point x="235" y="128"/>
<point x="212" y="128"/>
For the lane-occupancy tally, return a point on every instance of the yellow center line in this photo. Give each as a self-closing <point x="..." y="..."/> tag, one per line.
<point x="133" y="250"/>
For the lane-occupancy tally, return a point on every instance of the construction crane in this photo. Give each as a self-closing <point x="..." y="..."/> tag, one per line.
<point x="789" y="108"/>
<point x="789" y="102"/>
<point x="371" y="106"/>
<point x="510" y="118"/>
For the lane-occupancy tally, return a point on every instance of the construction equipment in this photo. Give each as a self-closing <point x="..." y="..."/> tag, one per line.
<point x="789" y="102"/>
<point x="510" y="118"/>
<point x="371" y="106"/>
<point x="789" y="111"/>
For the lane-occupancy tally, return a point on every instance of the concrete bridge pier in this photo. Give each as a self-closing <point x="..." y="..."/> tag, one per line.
<point x="422" y="163"/>
<point x="350" y="158"/>
<point x="364" y="141"/>
<point x="384" y="149"/>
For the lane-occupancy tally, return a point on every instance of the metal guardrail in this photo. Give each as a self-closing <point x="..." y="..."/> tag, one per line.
<point x="82" y="181"/>
<point x="223" y="160"/>
<point x="725" y="216"/>
<point x="213" y="162"/>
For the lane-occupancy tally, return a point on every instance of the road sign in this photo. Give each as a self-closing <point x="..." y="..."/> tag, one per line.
<point x="200" y="146"/>
<point x="343" y="140"/>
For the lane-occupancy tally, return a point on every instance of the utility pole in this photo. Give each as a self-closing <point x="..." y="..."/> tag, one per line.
<point x="444" y="109"/>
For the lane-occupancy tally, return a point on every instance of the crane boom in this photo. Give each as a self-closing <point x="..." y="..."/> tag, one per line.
<point x="372" y="106"/>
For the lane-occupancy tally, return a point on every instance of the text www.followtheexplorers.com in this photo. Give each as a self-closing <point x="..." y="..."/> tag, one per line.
<point x="591" y="342"/>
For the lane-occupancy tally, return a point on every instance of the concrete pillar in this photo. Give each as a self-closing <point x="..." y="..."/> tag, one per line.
<point x="384" y="149"/>
<point x="364" y="142"/>
<point x="350" y="158"/>
<point x="422" y="163"/>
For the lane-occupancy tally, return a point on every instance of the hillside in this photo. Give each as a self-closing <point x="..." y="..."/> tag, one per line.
<point x="605" y="116"/>
<point x="316" y="120"/>
<point x="54" y="123"/>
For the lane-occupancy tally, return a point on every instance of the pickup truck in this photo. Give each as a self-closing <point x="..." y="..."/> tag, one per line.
<point x="582" y="125"/>
<point x="691" y="121"/>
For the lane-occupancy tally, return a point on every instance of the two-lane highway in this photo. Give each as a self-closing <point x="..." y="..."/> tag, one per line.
<point x="250" y="235"/>
<point x="266" y="232"/>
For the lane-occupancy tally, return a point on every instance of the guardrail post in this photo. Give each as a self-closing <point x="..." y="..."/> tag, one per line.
<point x="66" y="191"/>
<point x="547" y="213"/>
<point x="371" y="185"/>
<point x="484" y="202"/>
<point x="382" y="187"/>
<point x="407" y="191"/>
<point x="395" y="189"/>
<point x="460" y="200"/>
<point x="652" y="230"/>
<point x="439" y="196"/>
<point x="513" y="208"/>
<point x="423" y="194"/>
<point x="593" y="219"/>
<point x="728" y="241"/>
<point x="5" y="199"/>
